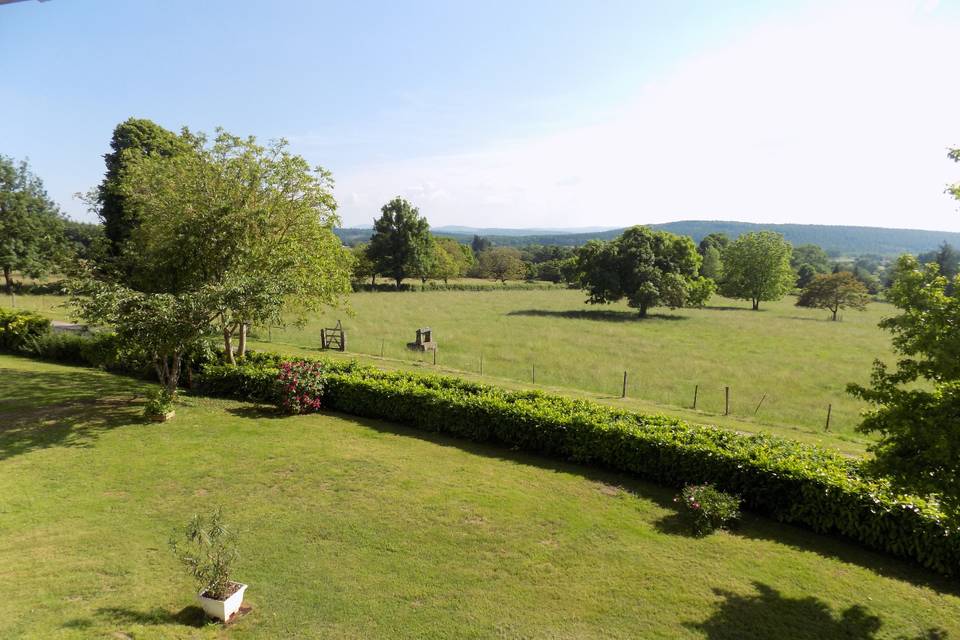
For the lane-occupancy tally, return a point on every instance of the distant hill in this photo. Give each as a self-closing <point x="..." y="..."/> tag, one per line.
<point x="840" y="240"/>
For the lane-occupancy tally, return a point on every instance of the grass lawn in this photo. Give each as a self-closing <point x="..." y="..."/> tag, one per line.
<point x="361" y="529"/>
<point x="784" y="365"/>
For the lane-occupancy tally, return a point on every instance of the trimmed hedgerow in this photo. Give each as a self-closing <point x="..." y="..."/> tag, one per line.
<point x="789" y="481"/>
<point x="18" y="328"/>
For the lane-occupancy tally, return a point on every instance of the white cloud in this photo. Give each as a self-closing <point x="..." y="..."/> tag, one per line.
<point x="834" y="116"/>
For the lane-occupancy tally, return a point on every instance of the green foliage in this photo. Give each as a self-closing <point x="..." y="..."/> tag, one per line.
<point x="207" y="547"/>
<point x="648" y="268"/>
<point x="835" y="291"/>
<point x="401" y="245"/>
<point x="946" y="258"/>
<point x="706" y="509"/>
<point x="253" y="382"/>
<point x="954" y="189"/>
<point x="159" y="403"/>
<point x="716" y="240"/>
<point x="501" y="263"/>
<point x="712" y="266"/>
<point x="699" y="291"/>
<point x="19" y="328"/>
<point x="792" y="482"/>
<point x="135" y="137"/>
<point x="449" y="259"/>
<point x="756" y="267"/>
<point x="810" y="254"/>
<point x="363" y="267"/>
<point x="32" y="238"/>
<point x="918" y="424"/>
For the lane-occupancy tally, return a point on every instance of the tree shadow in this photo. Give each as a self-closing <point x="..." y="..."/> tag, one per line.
<point x="769" y="614"/>
<point x="189" y="616"/>
<point x="601" y="315"/>
<point x="674" y="524"/>
<point x="258" y="411"/>
<point x="42" y="409"/>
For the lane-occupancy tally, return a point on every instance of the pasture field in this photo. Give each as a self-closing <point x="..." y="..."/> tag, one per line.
<point x="788" y="361"/>
<point x="358" y="528"/>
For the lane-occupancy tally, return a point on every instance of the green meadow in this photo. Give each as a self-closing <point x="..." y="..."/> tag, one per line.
<point x="784" y="365"/>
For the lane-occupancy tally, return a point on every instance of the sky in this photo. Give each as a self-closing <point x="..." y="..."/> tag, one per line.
<point x="549" y="114"/>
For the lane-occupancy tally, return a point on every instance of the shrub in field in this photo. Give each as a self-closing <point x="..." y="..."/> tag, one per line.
<point x="706" y="509"/>
<point x="18" y="328"/>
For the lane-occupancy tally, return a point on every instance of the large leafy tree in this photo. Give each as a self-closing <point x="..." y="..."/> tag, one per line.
<point x="756" y="267"/>
<point x="648" y="268"/>
<point x="229" y="232"/>
<point x="835" y="291"/>
<point x="946" y="257"/>
<point x="917" y="405"/>
<point x="401" y="243"/>
<point x="131" y="138"/>
<point x="32" y="239"/>
<point x="501" y="263"/>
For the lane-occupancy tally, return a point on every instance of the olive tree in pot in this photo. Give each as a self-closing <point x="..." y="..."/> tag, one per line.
<point x="208" y="549"/>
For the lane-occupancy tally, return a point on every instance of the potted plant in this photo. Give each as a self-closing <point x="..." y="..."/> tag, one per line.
<point x="159" y="407"/>
<point x="208" y="549"/>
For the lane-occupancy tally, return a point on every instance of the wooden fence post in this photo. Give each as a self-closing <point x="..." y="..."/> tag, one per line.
<point x="696" y="392"/>
<point x="381" y="347"/>
<point x="481" y="363"/>
<point x="533" y="374"/>
<point x="624" y="394"/>
<point x="759" y="403"/>
<point x="829" y="410"/>
<point x="726" y="408"/>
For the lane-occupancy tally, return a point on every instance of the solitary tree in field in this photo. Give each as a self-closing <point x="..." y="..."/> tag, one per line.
<point x="835" y="291"/>
<point x="648" y="268"/>
<point x="502" y="263"/>
<point x="712" y="266"/>
<point x="32" y="236"/>
<point x="756" y="267"/>
<point x="919" y="424"/>
<point x="400" y="245"/>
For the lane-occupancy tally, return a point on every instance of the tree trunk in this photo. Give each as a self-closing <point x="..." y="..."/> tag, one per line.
<point x="373" y="280"/>
<point x="399" y="282"/>
<point x="643" y="311"/>
<point x="835" y="313"/>
<point x="8" y="276"/>
<point x="173" y="375"/>
<point x="228" y="345"/>
<point x="242" y="341"/>
<point x="756" y="304"/>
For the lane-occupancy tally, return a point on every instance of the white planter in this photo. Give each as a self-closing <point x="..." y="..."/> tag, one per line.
<point x="222" y="609"/>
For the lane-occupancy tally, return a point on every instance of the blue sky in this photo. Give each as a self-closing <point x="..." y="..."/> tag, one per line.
<point x="550" y="114"/>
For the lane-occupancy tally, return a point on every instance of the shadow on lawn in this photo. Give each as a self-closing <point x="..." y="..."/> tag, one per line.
<point x="769" y="614"/>
<point x="190" y="616"/>
<point x="74" y="418"/>
<point x="603" y="315"/>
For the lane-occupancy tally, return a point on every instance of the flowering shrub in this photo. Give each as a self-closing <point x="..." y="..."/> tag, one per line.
<point x="301" y="386"/>
<point x="707" y="509"/>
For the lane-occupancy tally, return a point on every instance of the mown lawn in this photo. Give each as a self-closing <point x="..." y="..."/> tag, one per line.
<point x="784" y="365"/>
<point x="363" y="529"/>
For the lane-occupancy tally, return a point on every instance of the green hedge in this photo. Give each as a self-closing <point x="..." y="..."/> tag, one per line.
<point x="789" y="481"/>
<point x="18" y="328"/>
<point x="513" y="285"/>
